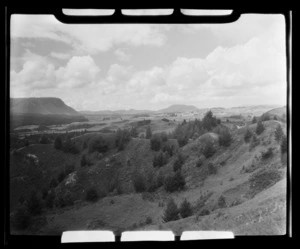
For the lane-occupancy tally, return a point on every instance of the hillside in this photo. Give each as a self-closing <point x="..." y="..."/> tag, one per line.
<point x="42" y="111"/>
<point x="278" y="112"/>
<point x="253" y="186"/>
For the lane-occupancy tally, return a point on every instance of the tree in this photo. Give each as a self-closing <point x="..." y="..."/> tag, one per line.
<point x="171" y="212"/>
<point x="209" y="121"/>
<point x="212" y="170"/>
<point x="34" y="204"/>
<point x="98" y="144"/>
<point x="254" y="120"/>
<point x="134" y="132"/>
<point x="248" y="135"/>
<point x="278" y="133"/>
<point x="185" y="209"/>
<point x="83" y="161"/>
<point x="178" y="162"/>
<point x="49" y="202"/>
<point x="91" y="195"/>
<point x="259" y="127"/>
<point x="174" y="183"/>
<point x="21" y="218"/>
<point x="225" y="138"/>
<point x="53" y="183"/>
<point x="182" y="141"/>
<point x="208" y="149"/>
<point x="44" y="139"/>
<point x="148" y="132"/>
<point x="139" y="182"/>
<point x="155" y="142"/>
<point x="283" y="144"/>
<point x="221" y="202"/>
<point x="58" y="143"/>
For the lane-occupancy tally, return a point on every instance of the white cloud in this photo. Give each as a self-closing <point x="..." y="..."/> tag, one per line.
<point x="61" y="56"/>
<point x="79" y="71"/>
<point x="84" y="37"/>
<point x="121" y="55"/>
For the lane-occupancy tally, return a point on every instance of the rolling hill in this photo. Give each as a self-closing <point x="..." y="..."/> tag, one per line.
<point x="179" y="108"/>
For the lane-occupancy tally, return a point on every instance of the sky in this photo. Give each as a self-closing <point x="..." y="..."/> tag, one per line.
<point x="149" y="66"/>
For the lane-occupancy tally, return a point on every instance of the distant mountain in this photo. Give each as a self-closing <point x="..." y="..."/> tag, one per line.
<point x="179" y="108"/>
<point x="43" y="106"/>
<point x="116" y="112"/>
<point x="42" y="111"/>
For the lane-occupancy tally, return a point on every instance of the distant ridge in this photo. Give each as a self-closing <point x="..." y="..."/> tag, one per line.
<point x="43" y="106"/>
<point x="42" y="111"/>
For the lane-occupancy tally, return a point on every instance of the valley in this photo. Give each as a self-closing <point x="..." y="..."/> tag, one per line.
<point x="121" y="171"/>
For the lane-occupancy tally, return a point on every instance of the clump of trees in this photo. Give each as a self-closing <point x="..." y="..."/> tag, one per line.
<point x="209" y="149"/>
<point x="160" y="159"/>
<point x="148" y="132"/>
<point x="139" y="182"/>
<point x="278" y="133"/>
<point x="175" y="182"/>
<point x="185" y="209"/>
<point x="98" y="144"/>
<point x="58" y="143"/>
<point x="212" y="169"/>
<point x="172" y="212"/>
<point x="91" y="195"/>
<point x="225" y="137"/>
<point x="155" y="142"/>
<point x="44" y="139"/>
<point x="259" y="127"/>
<point x="283" y="145"/>
<point x="247" y="136"/>
<point x="178" y="163"/>
<point x="222" y="202"/>
<point x="122" y="138"/>
<point x="267" y="154"/>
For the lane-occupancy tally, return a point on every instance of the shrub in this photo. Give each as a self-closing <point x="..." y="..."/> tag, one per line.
<point x="182" y="141"/>
<point x="254" y="142"/>
<point x="267" y="154"/>
<point x="283" y="145"/>
<point x="174" y="183"/>
<point x="160" y="180"/>
<point x="225" y="138"/>
<point x="91" y="195"/>
<point x="61" y="176"/>
<point x="53" y="183"/>
<point x="58" y="143"/>
<point x="263" y="179"/>
<point x="155" y="142"/>
<point x="204" y="212"/>
<point x="278" y="133"/>
<point x="164" y="137"/>
<point x="178" y="162"/>
<point x="160" y="159"/>
<point x="168" y="148"/>
<point x="248" y="135"/>
<point x="208" y="149"/>
<point x="21" y="218"/>
<point x="254" y="120"/>
<point x="171" y="211"/>
<point x="139" y="182"/>
<point x="49" y="202"/>
<point x="134" y="132"/>
<point x="221" y="202"/>
<point x="148" y="132"/>
<point x="34" y="204"/>
<point x="212" y="170"/>
<point x="199" y="162"/>
<point x="148" y="221"/>
<point x="83" y="161"/>
<point x="122" y="138"/>
<point x="98" y="144"/>
<point x="185" y="209"/>
<point x="44" y="139"/>
<point x="70" y="147"/>
<point x="259" y="128"/>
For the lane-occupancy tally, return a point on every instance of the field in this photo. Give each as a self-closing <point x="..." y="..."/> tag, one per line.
<point x="240" y="186"/>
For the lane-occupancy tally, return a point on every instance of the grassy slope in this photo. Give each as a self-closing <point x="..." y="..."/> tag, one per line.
<point x="264" y="214"/>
